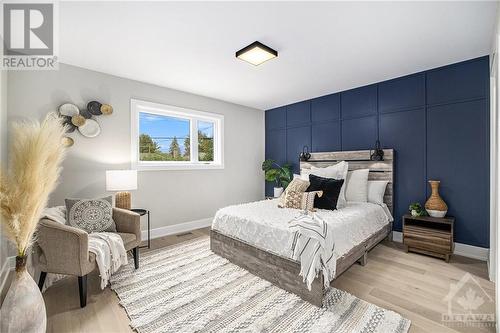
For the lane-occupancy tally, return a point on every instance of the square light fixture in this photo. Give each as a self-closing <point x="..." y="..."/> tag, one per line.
<point x="256" y="53"/>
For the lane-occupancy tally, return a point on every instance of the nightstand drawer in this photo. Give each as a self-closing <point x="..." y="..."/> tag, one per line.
<point x="427" y="245"/>
<point x="428" y="238"/>
<point x="410" y="231"/>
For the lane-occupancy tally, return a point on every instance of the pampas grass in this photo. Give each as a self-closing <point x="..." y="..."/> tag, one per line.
<point x="35" y="156"/>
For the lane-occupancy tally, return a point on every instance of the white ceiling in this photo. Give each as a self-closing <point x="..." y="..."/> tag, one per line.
<point x="323" y="47"/>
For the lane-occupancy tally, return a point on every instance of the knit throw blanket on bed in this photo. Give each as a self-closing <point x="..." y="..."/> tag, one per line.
<point x="108" y="248"/>
<point x="313" y="245"/>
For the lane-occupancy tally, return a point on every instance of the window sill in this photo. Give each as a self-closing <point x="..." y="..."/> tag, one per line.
<point x="174" y="167"/>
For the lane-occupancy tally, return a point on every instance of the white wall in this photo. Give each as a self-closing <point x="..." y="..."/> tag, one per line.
<point x="172" y="196"/>
<point x="493" y="159"/>
<point x="495" y="165"/>
<point x="4" y="249"/>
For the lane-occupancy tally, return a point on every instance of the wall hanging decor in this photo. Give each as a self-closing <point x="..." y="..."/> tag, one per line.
<point x="67" y="141"/>
<point x="106" y="109"/>
<point x="70" y="128"/>
<point x="68" y="109"/>
<point x="85" y="113"/>
<point x="84" y="120"/>
<point x="94" y="107"/>
<point x="78" y="120"/>
<point x="90" y="129"/>
<point x="435" y="205"/>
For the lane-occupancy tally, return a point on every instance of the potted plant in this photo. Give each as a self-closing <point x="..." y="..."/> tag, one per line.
<point x="281" y="175"/>
<point x="35" y="156"/>
<point x="417" y="210"/>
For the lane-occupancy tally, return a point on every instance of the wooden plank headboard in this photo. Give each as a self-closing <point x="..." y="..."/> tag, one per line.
<point x="359" y="159"/>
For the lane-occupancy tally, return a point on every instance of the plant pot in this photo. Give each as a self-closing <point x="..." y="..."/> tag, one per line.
<point x="23" y="309"/>
<point x="278" y="191"/>
<point x="435" y="205"/>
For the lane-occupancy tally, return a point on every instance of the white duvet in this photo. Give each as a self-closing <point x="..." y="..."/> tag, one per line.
<point x="264" y="225"/>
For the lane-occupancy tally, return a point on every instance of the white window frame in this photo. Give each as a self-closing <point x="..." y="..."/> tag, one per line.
<point x="137" y="106"/>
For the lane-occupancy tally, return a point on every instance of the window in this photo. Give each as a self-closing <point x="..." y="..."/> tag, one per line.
<point x="169" y="137"/>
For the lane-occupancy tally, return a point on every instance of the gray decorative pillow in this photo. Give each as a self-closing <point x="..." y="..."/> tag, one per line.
<point x="91" y="215"/>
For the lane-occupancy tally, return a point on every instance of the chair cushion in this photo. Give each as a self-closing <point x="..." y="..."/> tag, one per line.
<point x="129" y="240"/>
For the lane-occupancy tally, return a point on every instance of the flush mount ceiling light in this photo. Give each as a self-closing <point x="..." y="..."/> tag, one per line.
<point x="256" y="53"/>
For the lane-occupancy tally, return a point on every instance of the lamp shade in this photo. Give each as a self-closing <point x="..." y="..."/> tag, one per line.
<point x="121" y="180"/>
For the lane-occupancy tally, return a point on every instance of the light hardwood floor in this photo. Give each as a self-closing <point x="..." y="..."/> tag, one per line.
<point x="410" y="284"/>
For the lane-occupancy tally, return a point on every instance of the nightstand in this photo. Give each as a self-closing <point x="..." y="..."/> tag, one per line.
<point x="429" y="235"/>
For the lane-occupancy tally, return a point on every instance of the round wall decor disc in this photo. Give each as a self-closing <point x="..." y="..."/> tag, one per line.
<point x="70" y="128"/>
<point x="78" y="120"/>
<point x="94" y="107"/>
<point x="106" y="109"/>
<point x="68" y="109"/>
<point x="90" y="129"/>
<point x="66" y="121"/>
<point x="85" y="114"/>
<point x="67" y="141"/>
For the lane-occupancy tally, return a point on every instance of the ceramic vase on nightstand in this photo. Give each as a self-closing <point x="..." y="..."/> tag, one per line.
<point x="435" y="205"/>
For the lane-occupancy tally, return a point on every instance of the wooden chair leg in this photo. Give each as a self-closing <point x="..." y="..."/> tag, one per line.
<point x="135" y="252"/>
<point x="82" y="286"/>
<point x="41" y="281"/>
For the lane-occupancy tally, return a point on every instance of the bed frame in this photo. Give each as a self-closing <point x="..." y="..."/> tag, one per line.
<point x="284" y="272"/>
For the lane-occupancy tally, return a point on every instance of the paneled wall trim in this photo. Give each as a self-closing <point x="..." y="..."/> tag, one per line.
<point x="437" y="121"/>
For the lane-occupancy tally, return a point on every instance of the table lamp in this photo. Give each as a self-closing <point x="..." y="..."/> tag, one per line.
<point x="121" y="181"/>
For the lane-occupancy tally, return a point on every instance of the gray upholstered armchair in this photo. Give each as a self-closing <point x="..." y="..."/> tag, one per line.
<point x="63" y="249"/>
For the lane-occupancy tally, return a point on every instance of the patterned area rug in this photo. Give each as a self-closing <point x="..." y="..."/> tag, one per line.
<point x="187" y="288"/>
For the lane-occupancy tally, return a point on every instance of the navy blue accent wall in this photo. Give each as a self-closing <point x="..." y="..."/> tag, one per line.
<point x="437" y="121"/>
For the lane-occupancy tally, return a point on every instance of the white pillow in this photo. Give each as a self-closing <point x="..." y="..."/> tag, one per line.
<point x="376" y="191"/>
<point x="357" y="185"/>
<point x="337" y="171"/>
<point x="304" y="174"/>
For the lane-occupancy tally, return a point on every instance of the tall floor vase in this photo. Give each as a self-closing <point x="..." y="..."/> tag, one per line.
<point x="23" y="309"/>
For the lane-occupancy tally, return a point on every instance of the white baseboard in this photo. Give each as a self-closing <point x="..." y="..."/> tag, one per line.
<point x="177" y="228"/>
<point x="397" y="236"/>
<point x="464" y="250"/>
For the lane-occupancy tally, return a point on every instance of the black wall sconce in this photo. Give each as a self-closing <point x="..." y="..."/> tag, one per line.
<point x="305" y="155"/>
<point x="378" y="153"/>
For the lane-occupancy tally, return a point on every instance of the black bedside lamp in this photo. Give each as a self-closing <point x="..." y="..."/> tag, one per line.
<point x="378" y="153"/>
<point x="305" y="155"/>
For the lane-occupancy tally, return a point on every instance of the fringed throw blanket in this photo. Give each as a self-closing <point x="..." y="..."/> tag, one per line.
<point x="110" y="254"/>
<point x="313" y="245"/>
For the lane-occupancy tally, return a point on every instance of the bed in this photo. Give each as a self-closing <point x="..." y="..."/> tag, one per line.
<point x="255" y="235"/>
